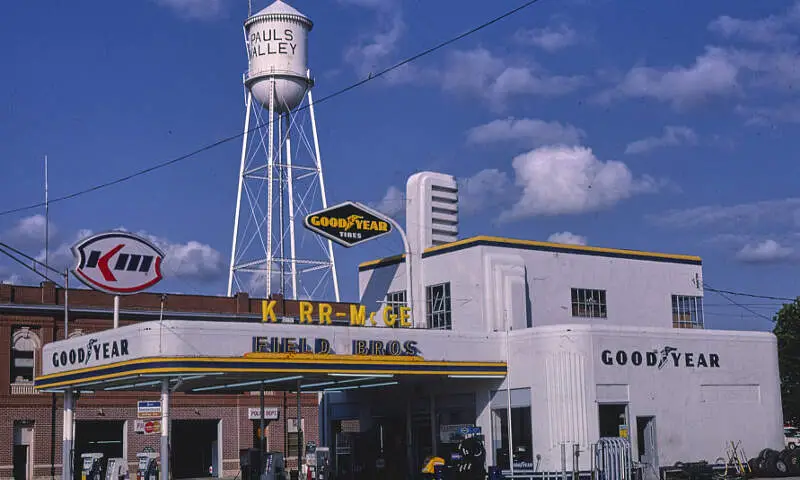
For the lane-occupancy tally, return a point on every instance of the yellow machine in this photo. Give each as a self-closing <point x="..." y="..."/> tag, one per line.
<point x="430" y="465"/>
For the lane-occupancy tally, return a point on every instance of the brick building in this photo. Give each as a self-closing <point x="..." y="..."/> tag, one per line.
<point x="31" y="422"/>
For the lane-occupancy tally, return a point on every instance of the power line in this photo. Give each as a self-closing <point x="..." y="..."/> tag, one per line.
<point x="723" y="294"/>
<point x="751" y="295"/>
<point x="37" y="272"/>
<point x="372" y="76"/>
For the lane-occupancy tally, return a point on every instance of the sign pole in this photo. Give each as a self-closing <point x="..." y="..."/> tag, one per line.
<point x="66" y="304"/>
<point x="116" y="311"/>
<point x="262" y="438"/>
<point x="407" y="248"/>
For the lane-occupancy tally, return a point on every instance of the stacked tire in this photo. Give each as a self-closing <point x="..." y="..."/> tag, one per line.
<point x="773" y="463"/>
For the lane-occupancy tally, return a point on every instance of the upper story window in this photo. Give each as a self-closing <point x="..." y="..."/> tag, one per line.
<point x="395" y="300"/>
<point x="687" y="311"/>
<point x="589" y="303"/>
<point x="438" y="312"/>
<point x="24" y="344"/>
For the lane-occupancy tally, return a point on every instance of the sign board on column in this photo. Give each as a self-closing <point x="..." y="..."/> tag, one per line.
<point x="148" y="409"/>
<point x="147" y="427"/>
<point x="270" y="413"/>
<point x="457" y="432"/>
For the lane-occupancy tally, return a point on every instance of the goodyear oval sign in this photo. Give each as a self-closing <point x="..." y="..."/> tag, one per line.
<point x="348" y="224"/>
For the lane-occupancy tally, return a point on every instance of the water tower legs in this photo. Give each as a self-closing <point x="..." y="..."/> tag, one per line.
<point x="277" y="154"/>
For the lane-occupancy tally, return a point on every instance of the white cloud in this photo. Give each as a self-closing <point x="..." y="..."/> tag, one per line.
<point x="770" y="61"/>
<point x="568" y="238"/>
<point x="742" y="215"/>
<point x="550" y="39"/>
<point x="713" y="74"/>
<point x="192" y="260"/>
<point x="370" y="54"/>
<point x="771" y="30"/>
<point x="480" y="73"/>
<point x="393" y="202"/>
<point x="559" y="180"/>
<point x="673" y="136"/>
<point x="768" y="116"/>
<point x="194" y="9"/>
<point x="28" y="233"/>
<point x="529" y="131"/>
<point x="767" y="251"/>
<point x="485" y="189"/>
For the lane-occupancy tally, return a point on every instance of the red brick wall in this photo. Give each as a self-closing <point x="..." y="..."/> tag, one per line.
<point x="237" y="429"/>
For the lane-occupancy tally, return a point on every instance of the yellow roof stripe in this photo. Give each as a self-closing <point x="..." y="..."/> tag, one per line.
<point x="532" y="243"/>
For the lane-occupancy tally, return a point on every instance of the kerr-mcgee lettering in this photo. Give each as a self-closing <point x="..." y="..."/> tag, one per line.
<point x="667" y="356"/>
<point x="357" y="315"/>
<point x="93" y="351"/>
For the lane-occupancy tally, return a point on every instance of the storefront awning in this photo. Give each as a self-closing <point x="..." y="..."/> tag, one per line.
<point x="278" y="371"/>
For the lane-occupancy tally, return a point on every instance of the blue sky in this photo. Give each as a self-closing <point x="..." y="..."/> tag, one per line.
<point x="661" y="126"/>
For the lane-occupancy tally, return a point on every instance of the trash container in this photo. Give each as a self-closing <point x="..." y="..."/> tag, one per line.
<point x="496" y="473"/>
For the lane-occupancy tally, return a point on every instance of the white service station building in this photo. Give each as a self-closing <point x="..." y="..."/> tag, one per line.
<point x="575" y="342"/>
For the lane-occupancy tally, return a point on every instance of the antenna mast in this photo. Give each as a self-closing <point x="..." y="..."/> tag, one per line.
<point x="46" y="217"/>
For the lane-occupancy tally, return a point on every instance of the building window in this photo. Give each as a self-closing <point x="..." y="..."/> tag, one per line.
<point x="295" y="437"/>
<point x="687" y="312"/>
<point x="24" y="344"/>
<point x="395" y="300"/>
<point x="521" y="430"/>
<point x="589" y="303"/>
<point x="437" y="299"/>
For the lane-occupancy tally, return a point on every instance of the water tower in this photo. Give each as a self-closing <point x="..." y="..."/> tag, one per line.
<point x="280" y="177"/>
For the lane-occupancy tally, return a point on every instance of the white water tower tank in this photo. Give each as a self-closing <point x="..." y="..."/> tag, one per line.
<point x="277" y="39"/>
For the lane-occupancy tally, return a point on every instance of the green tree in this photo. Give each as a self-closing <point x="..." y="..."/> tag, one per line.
<point x="787" y="329"/>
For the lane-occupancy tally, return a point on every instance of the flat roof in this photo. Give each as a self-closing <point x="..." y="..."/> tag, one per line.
<point x="484" y="240"/>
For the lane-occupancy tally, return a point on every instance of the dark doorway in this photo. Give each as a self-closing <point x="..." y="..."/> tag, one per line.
<point x="20" y="462"/>
<point x="97" y="436"/>
<point x="612" y="416"/>
<point x="647" y="446"/>
<point x="193" y="447"/>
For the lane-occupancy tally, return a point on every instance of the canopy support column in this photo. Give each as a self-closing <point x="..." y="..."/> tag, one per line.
<point x="263" y="437"/>
<point x="165" y="466"/>
<point x="67" y="445"/>
<point x="299" y="432"/>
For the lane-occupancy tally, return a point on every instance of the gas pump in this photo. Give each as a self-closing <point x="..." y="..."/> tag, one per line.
<point x="148" y="466"/>
<point x="117" y="469"/>
<point x="94" y="466"/>
<point x="274" y="468"/>
<point x="323" y="463"/>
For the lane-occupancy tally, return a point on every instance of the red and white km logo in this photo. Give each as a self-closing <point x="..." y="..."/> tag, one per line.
<point x="119" y="263"/>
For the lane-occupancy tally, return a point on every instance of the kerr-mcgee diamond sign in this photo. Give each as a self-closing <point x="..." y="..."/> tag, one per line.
<point x="119" y="263"/>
